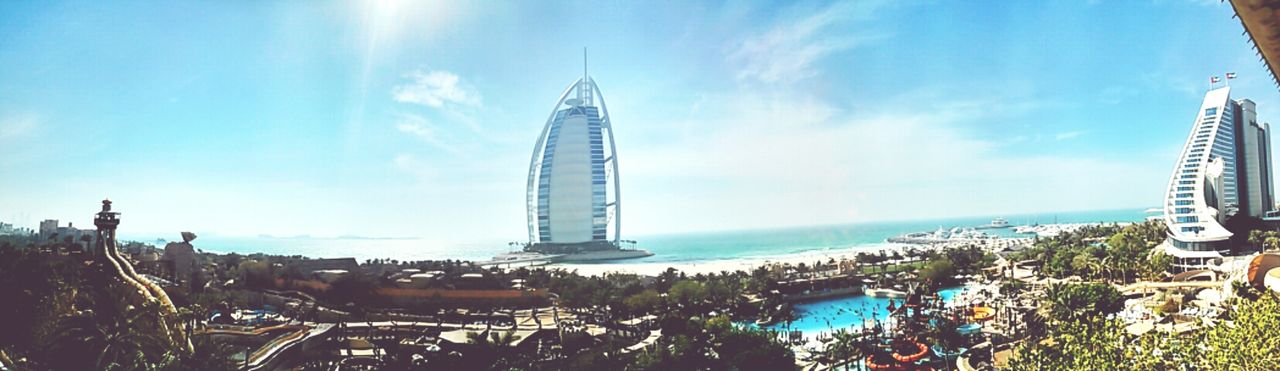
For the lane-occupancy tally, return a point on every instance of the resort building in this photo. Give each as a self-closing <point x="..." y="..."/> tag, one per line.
<point x="573" y="193"/>
<point x="1224" y="171"/>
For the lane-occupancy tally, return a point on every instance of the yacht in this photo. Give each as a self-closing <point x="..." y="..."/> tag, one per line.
<point x="995" y="224"/>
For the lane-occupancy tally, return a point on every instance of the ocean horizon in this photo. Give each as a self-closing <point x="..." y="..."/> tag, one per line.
<point x="675" y="248"/>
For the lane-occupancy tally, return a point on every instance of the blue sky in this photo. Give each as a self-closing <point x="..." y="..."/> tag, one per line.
<point x="388" y="118"/>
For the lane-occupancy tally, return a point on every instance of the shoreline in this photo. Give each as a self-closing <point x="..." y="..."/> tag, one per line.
<point x="750" y="263"/>
<point x="733" y="264"/>
<point x="741" y="263"/>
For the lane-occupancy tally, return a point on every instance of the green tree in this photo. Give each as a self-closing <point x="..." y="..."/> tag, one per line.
<point x="255" y="274"/>
<point x="1256" y="237"/>
<point x="748" y="349"/>
<point x="1098" y="346"/>
<point x="491" y="349"/>
<point x="207" y="355"/>
<point x="844" y="348"/>
<point x="1248" y="342"/>
<point x="644" y="302"/>
<point x="687" y="295"/>
<point x="939" y="271"/>
<point x="1080" y="303"/>
<point x="111" y="338"/>
<point x="1156" y="265"/>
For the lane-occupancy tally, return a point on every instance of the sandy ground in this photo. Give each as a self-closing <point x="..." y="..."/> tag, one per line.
<point x="709" y="266"/>
<point x="748" y="263"/>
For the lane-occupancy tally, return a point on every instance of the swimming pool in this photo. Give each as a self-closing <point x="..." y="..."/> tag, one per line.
<point x="847" y="313"/>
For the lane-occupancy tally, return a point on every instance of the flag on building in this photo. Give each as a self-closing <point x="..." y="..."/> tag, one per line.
<point x="1214" y="80"/>
<point x="1231" y="75"/>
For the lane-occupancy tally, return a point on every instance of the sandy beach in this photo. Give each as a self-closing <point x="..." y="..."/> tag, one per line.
<point x="749" y="263"/>
<point x="744" y="263"/>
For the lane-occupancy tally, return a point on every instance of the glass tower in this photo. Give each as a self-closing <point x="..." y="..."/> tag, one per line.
<point x="573" y="191"/>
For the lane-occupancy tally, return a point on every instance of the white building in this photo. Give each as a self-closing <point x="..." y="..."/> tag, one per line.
<point x="573" y="191"/>
<point x="1224" y="171"/>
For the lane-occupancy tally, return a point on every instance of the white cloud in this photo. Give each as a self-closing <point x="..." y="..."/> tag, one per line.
<point x="1116" y="94"/>
<point x="422" y="129"/>
<point x="435" y="89"/>
<point x="787" y="52"/>
<point x="14" y="126"/>
<point x="769" y="161"/>
<point x="410" y="164"/>
<point x="1068" y="135"/>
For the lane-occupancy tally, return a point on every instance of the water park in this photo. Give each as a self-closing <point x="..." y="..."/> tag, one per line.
<point x="925" y="330"/>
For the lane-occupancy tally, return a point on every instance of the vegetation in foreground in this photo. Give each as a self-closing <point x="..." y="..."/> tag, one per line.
<point x="64" y="313"/>
<point x="1088" y="341"/>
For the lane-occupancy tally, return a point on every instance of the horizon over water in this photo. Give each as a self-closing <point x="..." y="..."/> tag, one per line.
<point x="674" y="248"/>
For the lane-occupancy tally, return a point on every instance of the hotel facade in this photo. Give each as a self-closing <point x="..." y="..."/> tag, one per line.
<point x="573" y="195"/>
<point x="1224" y="171"/>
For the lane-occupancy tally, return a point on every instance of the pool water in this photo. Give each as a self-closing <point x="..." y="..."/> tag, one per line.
<point x="847" y="313"/>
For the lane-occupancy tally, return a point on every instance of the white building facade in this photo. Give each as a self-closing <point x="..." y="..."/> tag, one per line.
<point x="573" y="194"/>
<point x="1224" y="171"/>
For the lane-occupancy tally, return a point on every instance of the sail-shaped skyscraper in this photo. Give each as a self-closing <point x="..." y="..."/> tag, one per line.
<point x="573" y="197"/>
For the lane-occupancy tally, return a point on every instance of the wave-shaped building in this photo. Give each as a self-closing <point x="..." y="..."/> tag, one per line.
<point x="1224" y="172"/>
<point x="574" y="196"/>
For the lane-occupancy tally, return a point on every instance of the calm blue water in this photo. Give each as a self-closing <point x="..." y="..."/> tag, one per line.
<point x="690" y="247"/>
<point x="847" y="313"/>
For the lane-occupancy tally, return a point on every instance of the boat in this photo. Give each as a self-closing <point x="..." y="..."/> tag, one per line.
<point x="885" y="293"/>
<point x="996" y="223"/>
<point x="942" y="235"/>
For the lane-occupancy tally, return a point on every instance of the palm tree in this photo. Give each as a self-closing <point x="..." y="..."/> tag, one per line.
<point x="112" y="338"/>
<point x="843" y="349"/>
<point x="1256" y="237"/>
<point x="207" y="354"/>
<point x="490" y="349"/>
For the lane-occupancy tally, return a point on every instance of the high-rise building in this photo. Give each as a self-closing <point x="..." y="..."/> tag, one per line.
<point x="1256" y="140"/>
<point x="1224" y="171"/>
<point x="48" y="227"/>
<point x="573" y="192"/>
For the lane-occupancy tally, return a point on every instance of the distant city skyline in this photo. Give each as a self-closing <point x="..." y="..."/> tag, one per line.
<point x="386" y="118"/>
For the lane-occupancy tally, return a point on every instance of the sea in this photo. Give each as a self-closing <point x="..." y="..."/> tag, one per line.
<point x="667" y="248"/>
<point x="685" y="250"/>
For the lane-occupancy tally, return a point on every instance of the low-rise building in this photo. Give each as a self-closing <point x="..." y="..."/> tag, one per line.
<point x="309" y="266"/>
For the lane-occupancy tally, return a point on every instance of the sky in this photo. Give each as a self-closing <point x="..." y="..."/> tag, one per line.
<point x="398" y="118"/>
